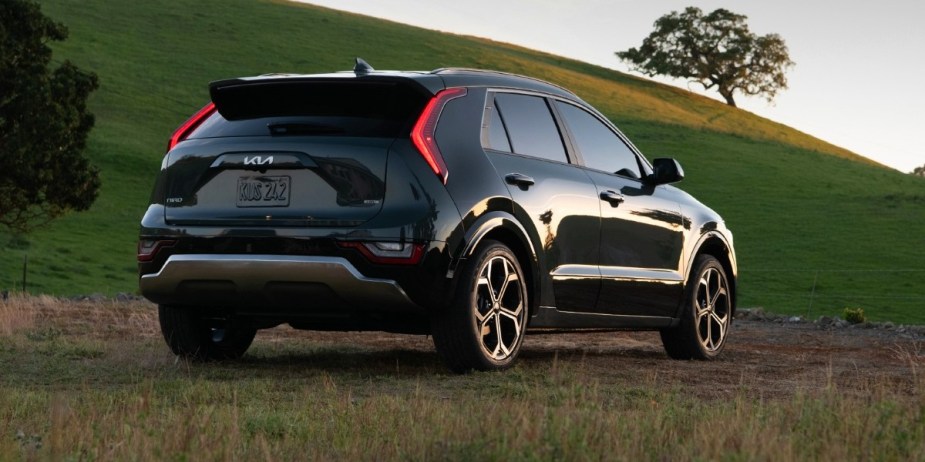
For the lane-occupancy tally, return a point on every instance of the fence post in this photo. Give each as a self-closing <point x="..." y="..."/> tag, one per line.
<point x="812" y="295"/>
<point x="25" y="266"/>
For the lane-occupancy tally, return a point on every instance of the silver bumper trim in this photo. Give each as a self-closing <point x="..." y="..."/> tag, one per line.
<point x="250" y="274"/>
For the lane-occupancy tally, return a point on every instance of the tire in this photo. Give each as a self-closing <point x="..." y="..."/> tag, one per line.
<point x="707" y="314"/>
<point x="483" y="327"/>
<point x="189" y="335"/>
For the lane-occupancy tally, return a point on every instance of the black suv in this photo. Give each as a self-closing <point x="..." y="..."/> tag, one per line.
<point x="466" y="204"/>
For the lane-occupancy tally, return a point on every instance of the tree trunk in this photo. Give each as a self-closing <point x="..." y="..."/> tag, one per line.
<point x="727" y="93"/>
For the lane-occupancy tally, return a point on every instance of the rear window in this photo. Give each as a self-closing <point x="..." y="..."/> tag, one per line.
<point x="313" y="108"/>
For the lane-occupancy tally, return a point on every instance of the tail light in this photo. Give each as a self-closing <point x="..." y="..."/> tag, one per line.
<point x="387" y="253"/>
<point x="184" y="130"/>
<point x="422" y="135"/>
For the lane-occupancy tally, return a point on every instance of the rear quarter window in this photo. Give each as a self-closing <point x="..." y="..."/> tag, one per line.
<point x="496" y="134"/>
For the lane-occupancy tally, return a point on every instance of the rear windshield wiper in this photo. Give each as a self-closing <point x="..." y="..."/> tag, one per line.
<point x="301" y="128"/>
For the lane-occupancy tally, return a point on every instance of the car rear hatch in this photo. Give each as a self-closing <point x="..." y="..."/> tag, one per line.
<point x="290" y="152"/>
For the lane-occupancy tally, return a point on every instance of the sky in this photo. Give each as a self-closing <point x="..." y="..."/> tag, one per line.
<point x="857" y="82"/>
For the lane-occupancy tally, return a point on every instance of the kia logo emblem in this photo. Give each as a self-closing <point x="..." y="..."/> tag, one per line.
<point x="258" y="160"/>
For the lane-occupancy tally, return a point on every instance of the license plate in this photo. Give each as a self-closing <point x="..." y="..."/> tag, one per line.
<point x="263" y="191"/>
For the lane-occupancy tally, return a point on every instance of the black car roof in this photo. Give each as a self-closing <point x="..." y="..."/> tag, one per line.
<point x="433" y="81"/>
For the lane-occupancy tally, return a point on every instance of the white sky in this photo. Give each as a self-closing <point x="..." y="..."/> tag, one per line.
<point x="857" y="81"/>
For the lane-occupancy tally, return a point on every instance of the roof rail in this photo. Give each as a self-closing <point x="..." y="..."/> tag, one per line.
<point x="488" y="71"/>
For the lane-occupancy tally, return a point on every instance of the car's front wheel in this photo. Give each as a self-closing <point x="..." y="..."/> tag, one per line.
<point x="191" y="335"/>
<point x="707" y="315"/>
<point x="484" y="326"/>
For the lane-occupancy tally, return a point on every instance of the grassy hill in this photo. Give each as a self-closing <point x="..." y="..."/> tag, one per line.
<point x="818" y="228"/>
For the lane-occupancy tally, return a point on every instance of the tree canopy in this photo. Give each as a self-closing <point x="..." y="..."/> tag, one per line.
<point x="44" y="123"/>
<point x="715" y="50"/>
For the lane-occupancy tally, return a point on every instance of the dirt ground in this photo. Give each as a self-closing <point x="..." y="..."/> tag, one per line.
<point x="765" y="359"/>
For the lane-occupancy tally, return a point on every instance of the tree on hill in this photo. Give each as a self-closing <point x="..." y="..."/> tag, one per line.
<point x="44" y="123"/>
<point x="919" y="171"/>
<point x="714" y="50"/>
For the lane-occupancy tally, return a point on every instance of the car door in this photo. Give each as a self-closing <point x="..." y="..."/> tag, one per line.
<point x="554" y="199"/>
<point x="641" y="233"/>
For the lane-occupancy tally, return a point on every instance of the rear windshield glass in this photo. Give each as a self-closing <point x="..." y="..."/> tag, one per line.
<point x="313" y="108"/>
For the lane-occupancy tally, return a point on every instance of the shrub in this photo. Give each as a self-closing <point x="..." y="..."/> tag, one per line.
<point x="855" y="315"/>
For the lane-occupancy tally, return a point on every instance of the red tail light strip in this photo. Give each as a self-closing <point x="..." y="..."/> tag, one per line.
<point x="181" y="133"/>
<point x="423" y="132"/>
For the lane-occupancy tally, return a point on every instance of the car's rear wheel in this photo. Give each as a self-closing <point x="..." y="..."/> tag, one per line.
<point x="484" y="326"/>
<point x="707" y="315"/>
<point x="191" y="335"/>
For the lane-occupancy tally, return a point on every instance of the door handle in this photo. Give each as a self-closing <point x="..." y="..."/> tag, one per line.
<point x="519" y="179"/>
<point x="613" y="197"/>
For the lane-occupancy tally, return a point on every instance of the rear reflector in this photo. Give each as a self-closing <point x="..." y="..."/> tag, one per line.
<point x="184" y="130"/>
<point x="423" y="132"/>
<point x="148" y="248"/>
<point x="387" y="253"/>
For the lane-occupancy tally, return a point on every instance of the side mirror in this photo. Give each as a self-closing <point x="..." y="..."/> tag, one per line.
<point x="666" y="171"/>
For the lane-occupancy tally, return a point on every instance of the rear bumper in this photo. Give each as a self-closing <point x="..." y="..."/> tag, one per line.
<point x="266" y="284"/>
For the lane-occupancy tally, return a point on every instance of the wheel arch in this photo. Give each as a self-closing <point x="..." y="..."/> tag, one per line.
<point x="719" y="247"/>
<point x="504" y="228"/>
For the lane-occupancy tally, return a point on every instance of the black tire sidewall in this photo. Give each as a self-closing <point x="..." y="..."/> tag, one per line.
<point x="187" y="335"/>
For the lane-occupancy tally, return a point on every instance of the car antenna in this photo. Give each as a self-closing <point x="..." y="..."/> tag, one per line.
<point x="362" y="67"/>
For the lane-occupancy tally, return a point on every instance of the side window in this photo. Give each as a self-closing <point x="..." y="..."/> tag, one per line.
<point x="599" y="146"/>
<point x="530" y="126"/>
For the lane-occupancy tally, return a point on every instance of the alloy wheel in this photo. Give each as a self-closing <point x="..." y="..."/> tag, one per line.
<point x="500" y="314"/>
<point x="712" y="309"/>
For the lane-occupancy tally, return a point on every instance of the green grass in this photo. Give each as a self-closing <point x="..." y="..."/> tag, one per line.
<point x="94" y="381"/>
<point x="802" y="210"/>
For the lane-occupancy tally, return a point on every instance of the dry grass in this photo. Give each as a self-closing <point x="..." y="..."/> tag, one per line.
<point x="912" y="354"/>
<point x="18" y="312"/>
<point x="95" y="318"/>
<point x="566" y="416"/>
<point x="94" y="381"/>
